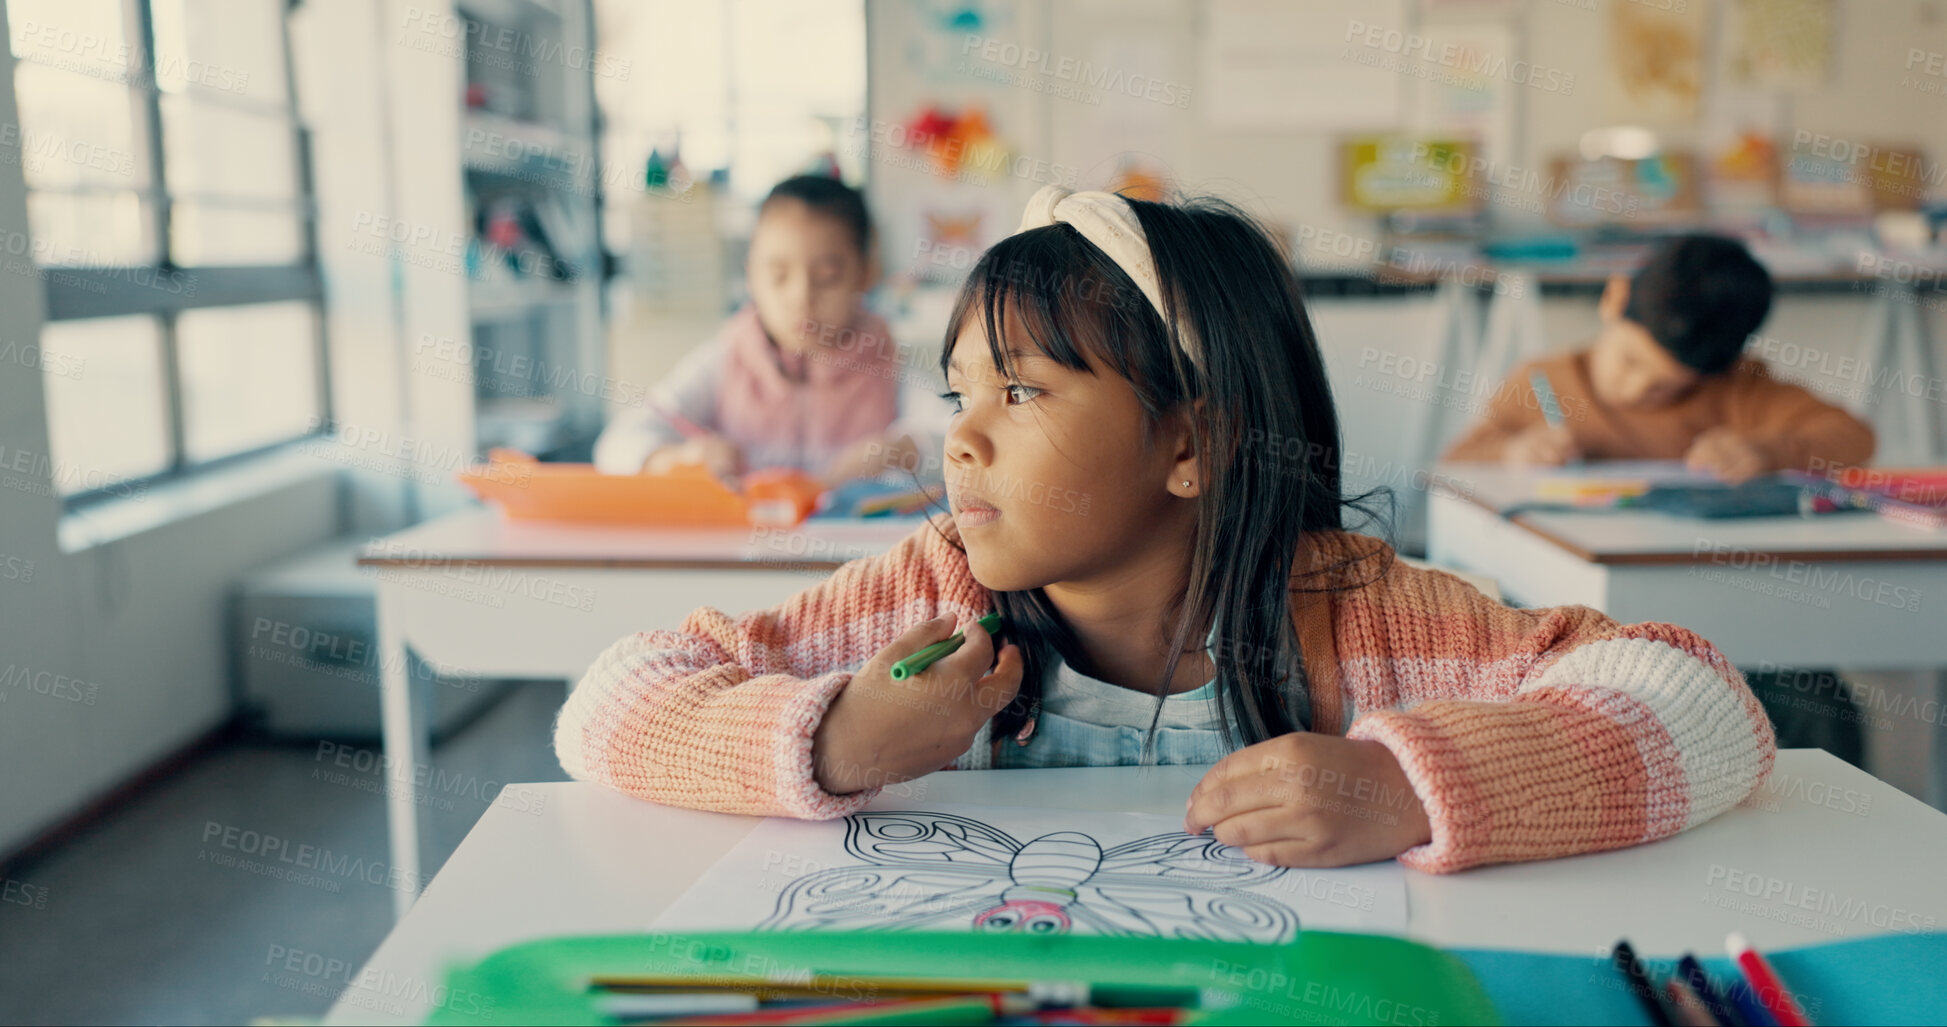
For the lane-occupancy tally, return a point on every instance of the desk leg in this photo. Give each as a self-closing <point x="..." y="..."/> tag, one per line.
<point x="1937" y="745"/>
<point x="406" y="746"/>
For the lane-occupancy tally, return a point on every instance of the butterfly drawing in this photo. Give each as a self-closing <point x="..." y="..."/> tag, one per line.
<point x="938" y="871"/>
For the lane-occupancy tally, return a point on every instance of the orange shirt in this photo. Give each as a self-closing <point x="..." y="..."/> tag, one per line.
<point x="1803" y="430"/>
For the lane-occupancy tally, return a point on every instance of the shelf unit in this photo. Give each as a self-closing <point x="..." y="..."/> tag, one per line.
<point x="529" y="177"/>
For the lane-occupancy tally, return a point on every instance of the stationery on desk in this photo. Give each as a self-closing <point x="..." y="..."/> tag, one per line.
<point x="878" y="976"/>
<point x="887" y="977"/>
<point x="1912" y="496"/>
<point x="1663" y="485"/>
<point x="685" y="496"/>
<point x="1916" y="496"/>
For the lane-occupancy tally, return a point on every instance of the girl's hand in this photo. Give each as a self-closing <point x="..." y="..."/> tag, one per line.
<point x="879" y="731"/>
<point x="1309" y="800"/>
<point x="717" y="454"/>
<point x="868" y="457"/>
<point x="1541" y="445"/>
<point x="1729" y="455"/>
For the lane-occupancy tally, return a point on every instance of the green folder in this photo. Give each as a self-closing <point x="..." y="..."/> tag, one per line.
<point x="1323" y="977"/>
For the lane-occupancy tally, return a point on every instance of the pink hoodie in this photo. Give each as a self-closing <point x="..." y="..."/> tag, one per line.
<point x="786" y="411"/>
<point x="823" y="399"/>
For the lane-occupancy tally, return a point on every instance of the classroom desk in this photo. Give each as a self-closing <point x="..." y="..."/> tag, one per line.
<point x="593" y="861"/>
<point x="1842" y="590"/>
<point x="475" y="594"/>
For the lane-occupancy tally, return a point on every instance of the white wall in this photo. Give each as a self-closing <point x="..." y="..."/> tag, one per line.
<point x="1286" y="177"/>
<point x="1287" y="174"/>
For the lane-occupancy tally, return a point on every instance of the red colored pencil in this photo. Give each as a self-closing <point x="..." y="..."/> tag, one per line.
<point x="972" y="1008"/>
<point x="1765" y="982"/>
<point x="1093" y="1016"/>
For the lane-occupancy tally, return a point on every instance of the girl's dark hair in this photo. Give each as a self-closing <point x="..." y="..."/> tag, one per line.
<point x="1267" y="432"/>
<point x="830" y="197"/>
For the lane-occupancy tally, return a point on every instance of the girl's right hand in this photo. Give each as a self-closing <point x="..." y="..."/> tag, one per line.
<point x="1541" y="445"/>
<point x="879" y="731"/>
<point x="718" y="455"/>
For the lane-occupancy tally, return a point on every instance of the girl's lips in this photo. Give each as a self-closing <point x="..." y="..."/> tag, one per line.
<point x="974" y="516"/>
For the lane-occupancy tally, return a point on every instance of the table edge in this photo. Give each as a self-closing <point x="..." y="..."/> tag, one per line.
<point x="1678" y="556"/>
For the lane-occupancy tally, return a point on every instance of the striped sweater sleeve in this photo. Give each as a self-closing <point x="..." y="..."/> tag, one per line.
<point x="719" y="714"/>
<point x="1532" y="734"/>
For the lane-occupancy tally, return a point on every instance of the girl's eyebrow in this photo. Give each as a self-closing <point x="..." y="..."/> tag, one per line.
<point x="1017" y="355"/>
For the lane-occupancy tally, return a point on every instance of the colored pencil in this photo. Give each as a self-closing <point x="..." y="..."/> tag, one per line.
<point x="1685" y="1007"/>
<point x="813" y="985"/>
<point x="1765" y="982"/>
<point x="1693" y="974"/>
<point x="1545" y="397"/>
<point x="1095" y="1016"/>
<point x="948" y="1009"/>
<point x="1749" y="1009"/>
<point x="675" y="1003"/>
<point x="821" y="983"/>
<point x="1551" y="409"/>
<point x="1631" y="968"/>
<point x="684" y="426"/>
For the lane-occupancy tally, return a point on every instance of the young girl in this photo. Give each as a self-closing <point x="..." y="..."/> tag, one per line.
<point x="1143" y="471"/>
<point x="804" y="376"/>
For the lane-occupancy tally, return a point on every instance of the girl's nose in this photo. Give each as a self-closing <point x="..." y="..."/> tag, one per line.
<point x="966" y="445"/>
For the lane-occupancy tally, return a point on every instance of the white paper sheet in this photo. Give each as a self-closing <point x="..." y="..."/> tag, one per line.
<point x="945" y="866"/>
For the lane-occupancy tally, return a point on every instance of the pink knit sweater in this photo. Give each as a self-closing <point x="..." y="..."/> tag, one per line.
<point x="1527" y="734"/>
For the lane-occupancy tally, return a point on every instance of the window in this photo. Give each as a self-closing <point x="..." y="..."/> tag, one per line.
<point x="169" y="216"/>
<point x="726" y="84"/>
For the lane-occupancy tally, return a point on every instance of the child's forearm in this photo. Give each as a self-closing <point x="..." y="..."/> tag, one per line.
<point x="666" y="717"/>
<point x="1530" y="734"/>
<point x="1831" y="440"/>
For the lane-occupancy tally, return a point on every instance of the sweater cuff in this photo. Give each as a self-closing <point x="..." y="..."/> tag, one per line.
<point x="795" y="784"/>
<point x="1506" y="782"/>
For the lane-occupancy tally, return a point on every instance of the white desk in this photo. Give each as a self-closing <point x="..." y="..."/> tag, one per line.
<point x="475" y="594"/>
<point x="1842" y="590"/>
<point x="592" y="861"/>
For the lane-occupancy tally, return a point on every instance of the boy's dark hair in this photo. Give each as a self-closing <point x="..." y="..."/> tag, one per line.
<point x="1700" y="297"/>
<point x="1268" y="435"/>
<point x="830" y="197"/>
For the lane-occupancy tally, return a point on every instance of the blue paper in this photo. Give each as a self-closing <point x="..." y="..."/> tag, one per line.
<point x="1889" y="979"/>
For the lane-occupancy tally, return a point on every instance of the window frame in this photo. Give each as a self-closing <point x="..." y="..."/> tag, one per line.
<point x="165" y="289"/>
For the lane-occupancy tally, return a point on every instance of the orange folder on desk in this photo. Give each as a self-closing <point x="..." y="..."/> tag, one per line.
<point x="687" y="496"/>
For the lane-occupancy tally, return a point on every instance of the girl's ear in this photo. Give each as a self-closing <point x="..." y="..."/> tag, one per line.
<point x="1186" y="466"/>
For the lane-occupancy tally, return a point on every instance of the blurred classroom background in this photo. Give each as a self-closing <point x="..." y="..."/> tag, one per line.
<point x="278" y="270"/>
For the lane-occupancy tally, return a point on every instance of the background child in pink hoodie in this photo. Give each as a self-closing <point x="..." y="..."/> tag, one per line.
<point x="803" y="375"/>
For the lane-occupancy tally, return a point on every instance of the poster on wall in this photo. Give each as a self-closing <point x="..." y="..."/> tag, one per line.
<point x="1778" y="44"/>
<point x="1655" y="69"/>
<point x="1271" y="65"/>
<point x="1475" y="98"/>
<point x="944" y="32"/>
<point x="1381" y="174"/>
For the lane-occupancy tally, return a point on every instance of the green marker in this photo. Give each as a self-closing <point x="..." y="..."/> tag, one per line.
<point x="940" y="650"/>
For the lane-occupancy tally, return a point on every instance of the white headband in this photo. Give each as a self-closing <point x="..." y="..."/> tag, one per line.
<point x="1108" y="222"/>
